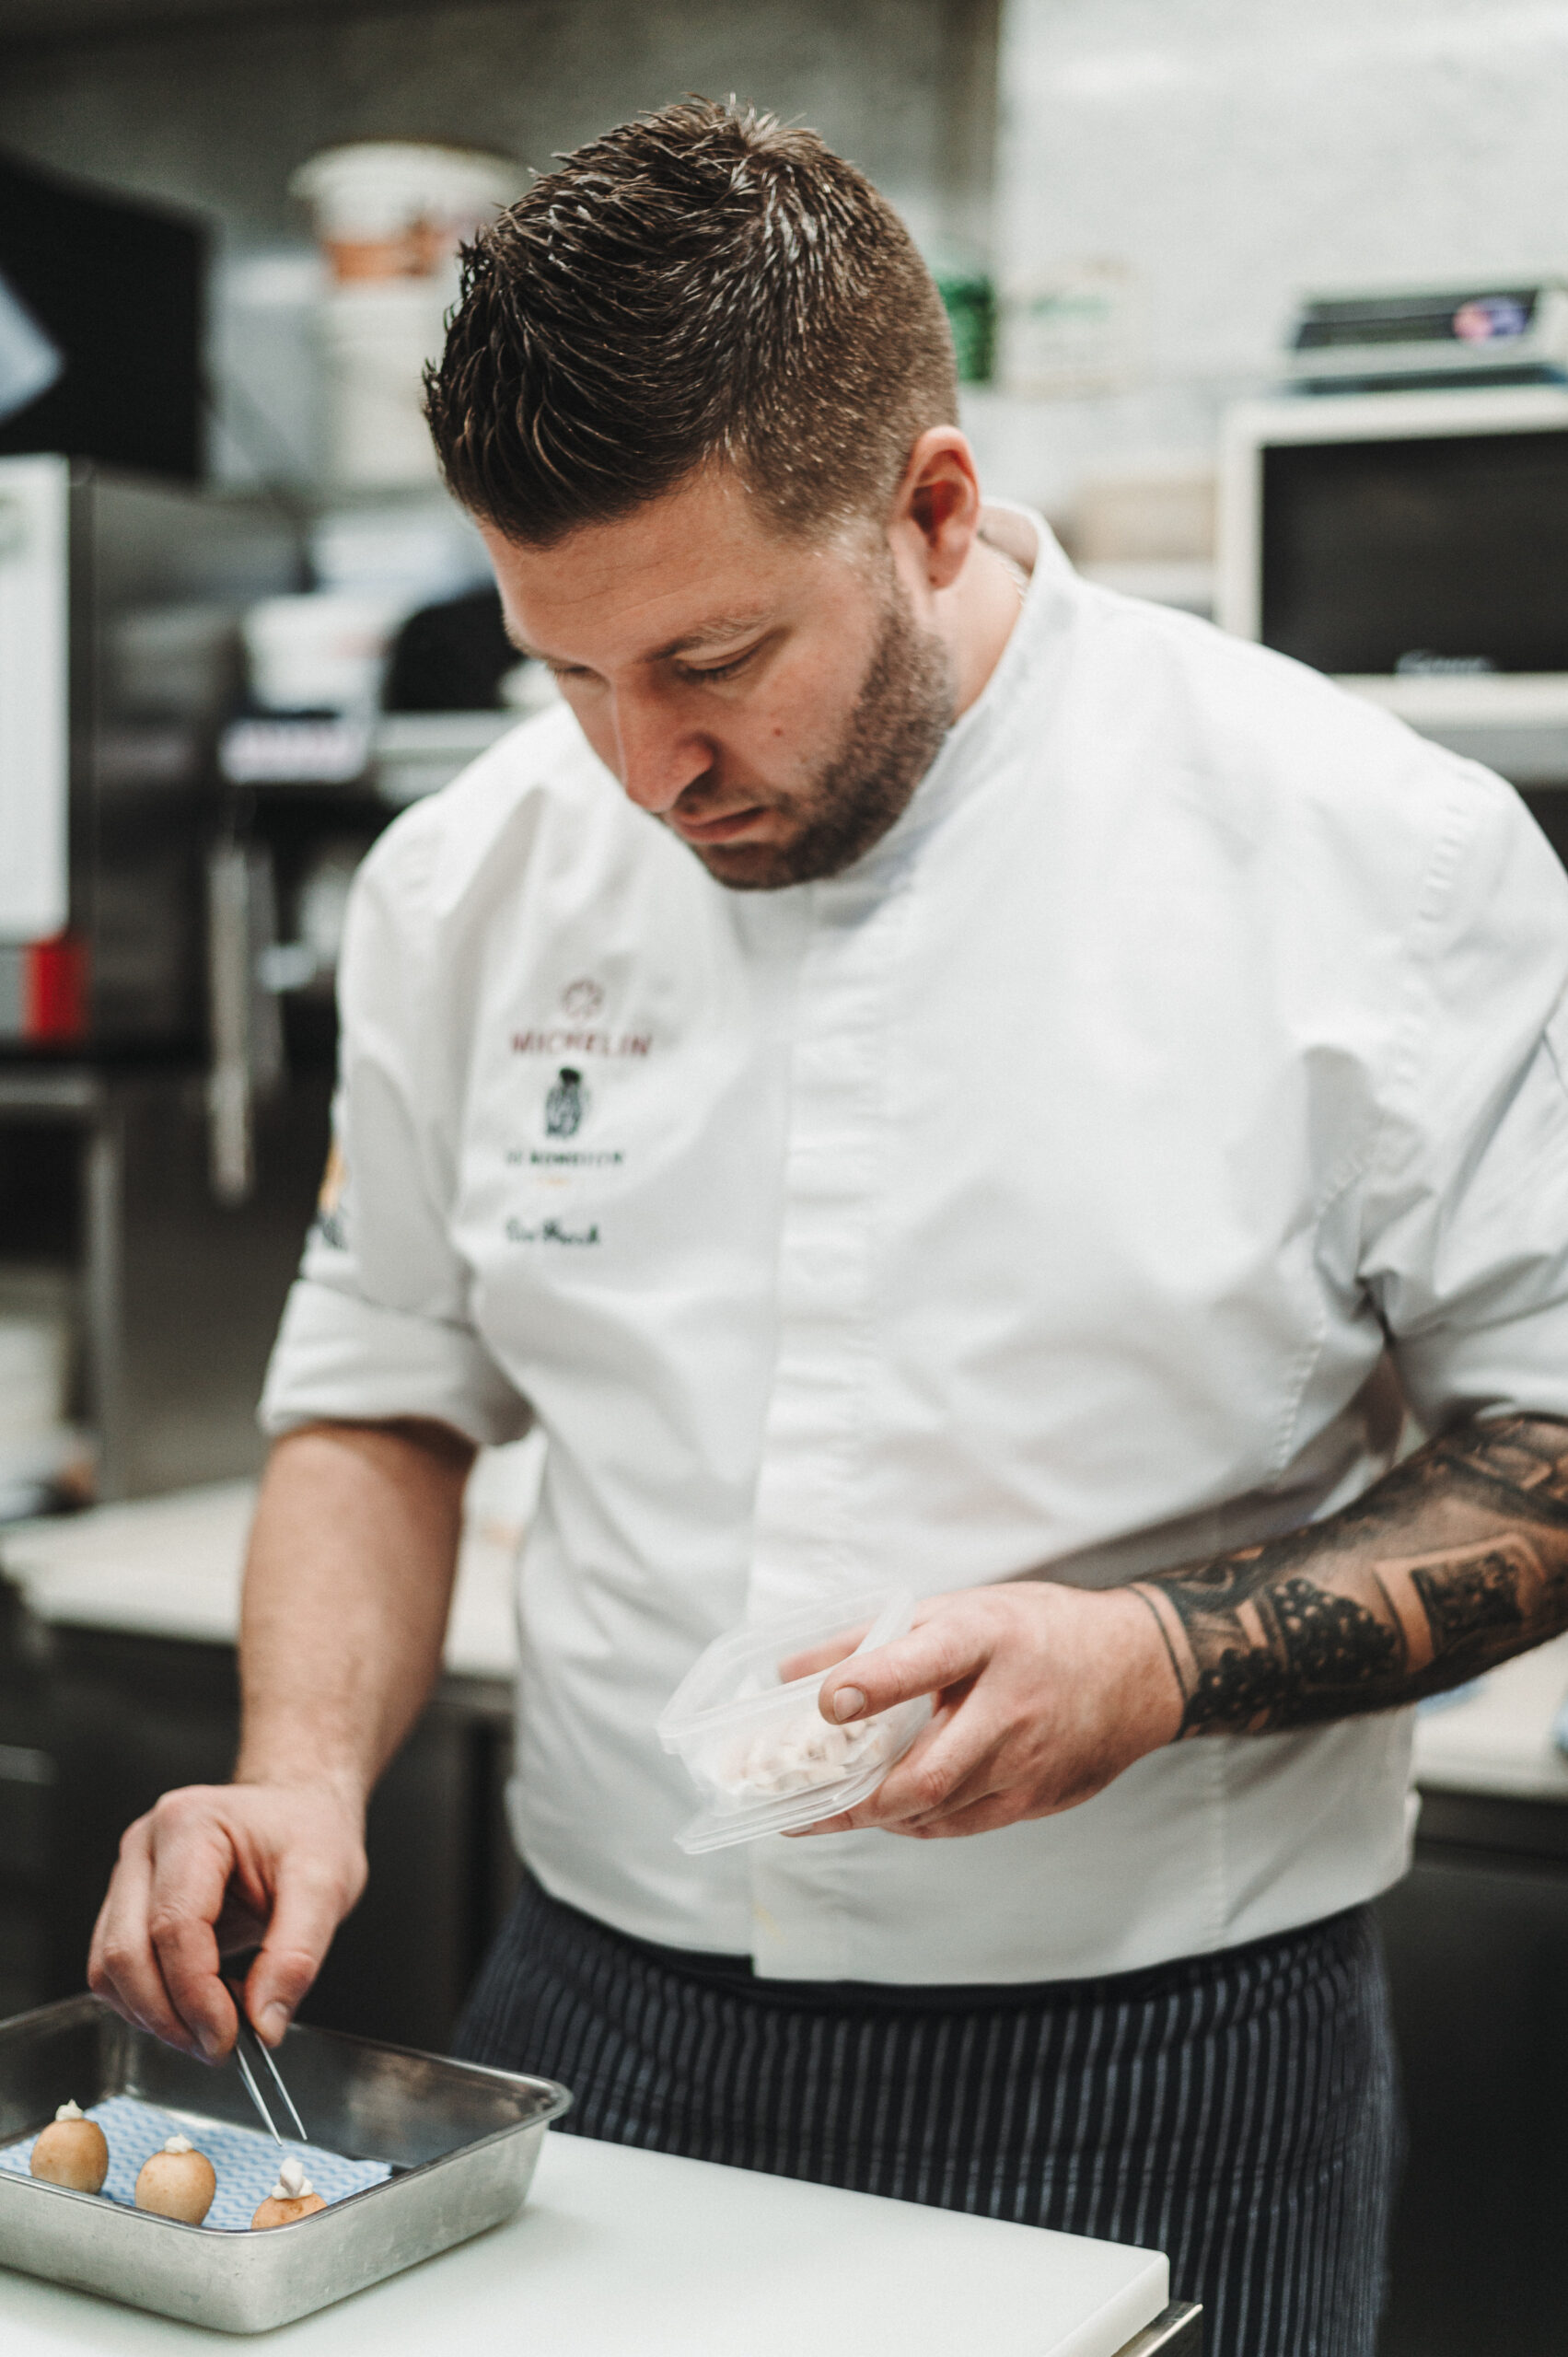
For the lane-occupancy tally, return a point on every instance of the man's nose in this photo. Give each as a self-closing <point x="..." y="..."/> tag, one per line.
<point x="659" y="755"/>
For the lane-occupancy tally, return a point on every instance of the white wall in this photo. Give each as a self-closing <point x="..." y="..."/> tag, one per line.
<point x="1233" y="153"/>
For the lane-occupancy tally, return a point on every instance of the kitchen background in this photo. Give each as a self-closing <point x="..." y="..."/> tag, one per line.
<point x="1127" y="201"/>
<point x="1198" y="161"/>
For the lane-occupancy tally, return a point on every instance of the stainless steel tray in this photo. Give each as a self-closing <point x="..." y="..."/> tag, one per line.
<point x="463" y="2144"/>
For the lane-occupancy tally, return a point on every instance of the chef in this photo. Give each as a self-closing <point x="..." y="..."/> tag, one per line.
<point x="919" y="1070"/>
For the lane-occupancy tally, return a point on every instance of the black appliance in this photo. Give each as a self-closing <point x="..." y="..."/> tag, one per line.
<point x="119" y="289"/>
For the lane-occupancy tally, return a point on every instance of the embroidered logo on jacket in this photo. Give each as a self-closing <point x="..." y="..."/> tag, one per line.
<point x="566" y="1104"/>
<point x="577" y="1035"/>
<point x="550" y="1231"/>
<point x="568" y="1040"/>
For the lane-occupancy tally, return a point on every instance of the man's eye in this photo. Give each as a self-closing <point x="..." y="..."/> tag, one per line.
<point x="720" y="670"/>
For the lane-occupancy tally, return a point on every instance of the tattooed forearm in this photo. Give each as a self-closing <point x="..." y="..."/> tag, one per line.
<point x="1456" y="1559"/>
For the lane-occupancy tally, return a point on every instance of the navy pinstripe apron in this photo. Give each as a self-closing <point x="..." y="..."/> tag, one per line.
<point x="1238" y="2111"/>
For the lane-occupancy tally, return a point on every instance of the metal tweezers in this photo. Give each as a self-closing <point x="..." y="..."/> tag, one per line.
<point x="248" y="2051"/>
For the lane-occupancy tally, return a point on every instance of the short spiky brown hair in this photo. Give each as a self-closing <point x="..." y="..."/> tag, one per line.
<point x="697" y="285"/>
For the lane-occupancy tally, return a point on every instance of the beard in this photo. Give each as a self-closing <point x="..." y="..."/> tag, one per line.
<point x="892" y="735"/>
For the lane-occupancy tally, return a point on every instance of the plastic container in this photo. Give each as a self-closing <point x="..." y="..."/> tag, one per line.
<point x="755" y="1744"/>
<point x="322" y="651"/>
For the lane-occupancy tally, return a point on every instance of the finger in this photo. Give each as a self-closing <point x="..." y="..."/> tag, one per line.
<point x="983" y="1813"/>
<point x="132" y="1862"/>
<point x="823" y="1656"/>
<point x="951" y="1761"/>
<point x="122" y="1966"/>
<point x="242" y="1925"/>
<point x="987" y="1779"/>
<point x="310" y="1904"/>
<point x="193" y="1858"/>
<point x="954" y="1750"/>
<point x="843" y="1823"/>
<point x="987" y="1815"/>
<point x="944" y="1652"/>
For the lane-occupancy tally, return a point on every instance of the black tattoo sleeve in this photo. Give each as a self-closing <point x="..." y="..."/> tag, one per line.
<point x="1456" y="1561"/>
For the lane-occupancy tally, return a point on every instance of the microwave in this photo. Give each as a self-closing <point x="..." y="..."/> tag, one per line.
<point x="1415" y="546"/>
<point x="119" y="601"/>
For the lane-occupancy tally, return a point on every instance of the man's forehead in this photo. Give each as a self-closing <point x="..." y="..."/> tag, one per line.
<point x="684" y="575"/>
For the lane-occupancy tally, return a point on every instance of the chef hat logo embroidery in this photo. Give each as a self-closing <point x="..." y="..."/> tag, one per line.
<point x="565" y="1105"/>
<point x="582" y="998"/>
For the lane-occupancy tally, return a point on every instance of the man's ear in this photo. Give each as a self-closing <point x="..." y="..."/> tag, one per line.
<point x="938" y="499"/>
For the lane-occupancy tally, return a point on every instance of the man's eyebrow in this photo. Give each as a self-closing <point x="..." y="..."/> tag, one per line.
<point x="713" y="633"/>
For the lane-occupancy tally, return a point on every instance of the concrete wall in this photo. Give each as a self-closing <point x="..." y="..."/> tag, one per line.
<point x="217" y="114"/>
<point x="1218" y="155"/>
<point x="1223" y="156"/>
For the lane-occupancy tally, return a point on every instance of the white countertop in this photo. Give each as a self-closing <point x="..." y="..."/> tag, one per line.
<point x="1497" y="1739"/>
<point x="170" y="1567"/>
<point x="621" y="2253"/>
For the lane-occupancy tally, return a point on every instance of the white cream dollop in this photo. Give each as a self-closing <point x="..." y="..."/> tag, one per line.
<point x="70" y="2111"/>
<point x="292" y="2185"/>
<point x="180" y="2144"/>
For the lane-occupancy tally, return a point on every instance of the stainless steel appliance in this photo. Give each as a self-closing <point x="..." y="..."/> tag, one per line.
<point x="120" y="606"/>
<point x="119" y="600"/>
<point x="1490" y="331"/>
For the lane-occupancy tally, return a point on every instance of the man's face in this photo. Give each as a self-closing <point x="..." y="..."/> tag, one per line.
<point x="774" y="701"/>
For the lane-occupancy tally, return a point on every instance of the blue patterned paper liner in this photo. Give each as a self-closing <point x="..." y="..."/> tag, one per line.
<point x="245" y="2160"/>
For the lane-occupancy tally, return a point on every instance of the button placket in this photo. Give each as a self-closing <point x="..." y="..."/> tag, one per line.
<point x="805" y="1544"/>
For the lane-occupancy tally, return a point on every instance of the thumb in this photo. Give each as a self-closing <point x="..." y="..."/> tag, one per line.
<point x="306" y="1910"/>
<point x="935" y="1655"/>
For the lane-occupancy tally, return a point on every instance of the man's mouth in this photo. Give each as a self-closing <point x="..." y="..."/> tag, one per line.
<point x="722" y="830"/>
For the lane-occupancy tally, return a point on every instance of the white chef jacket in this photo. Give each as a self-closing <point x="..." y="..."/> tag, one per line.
<point x="1042" y="1191"/>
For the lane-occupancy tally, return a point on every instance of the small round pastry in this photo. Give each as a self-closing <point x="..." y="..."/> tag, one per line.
<point x="293" y="2197"/>
<point x="177" y="2182"/>
<point x="72" y="2151"/>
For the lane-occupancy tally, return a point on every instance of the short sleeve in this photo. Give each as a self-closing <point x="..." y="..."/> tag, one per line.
<point x="1465" y="1232"/>
<point x="376" y="1325"/>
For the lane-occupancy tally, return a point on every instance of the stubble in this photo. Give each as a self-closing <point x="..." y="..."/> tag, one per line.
<point x="894" y="732"/>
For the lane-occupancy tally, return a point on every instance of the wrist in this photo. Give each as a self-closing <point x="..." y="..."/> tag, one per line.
<point x="1154" y="1701"/>
<point x="341" y="1783"/>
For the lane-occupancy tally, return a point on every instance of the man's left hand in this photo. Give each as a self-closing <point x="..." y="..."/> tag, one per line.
<point x="1042" y="1695"/>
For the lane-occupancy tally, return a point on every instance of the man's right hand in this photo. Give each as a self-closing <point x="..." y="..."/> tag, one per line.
<point x="346" y="1589"/>
<point x="214" y="1868"/>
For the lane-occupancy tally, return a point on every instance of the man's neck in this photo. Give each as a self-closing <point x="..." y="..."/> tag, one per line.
<point x="980" y="609"/>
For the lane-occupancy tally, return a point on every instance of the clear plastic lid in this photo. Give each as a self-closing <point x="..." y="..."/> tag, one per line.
<point x="753" y="1739"/>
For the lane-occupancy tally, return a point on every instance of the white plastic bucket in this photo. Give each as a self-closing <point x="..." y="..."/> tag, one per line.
<point x="390" y="209"/>
<point x="375" y="340"/>
<point x="34" y="1354"/>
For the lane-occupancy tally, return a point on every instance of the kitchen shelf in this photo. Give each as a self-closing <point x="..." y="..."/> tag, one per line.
<point x="416" y="753"/>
